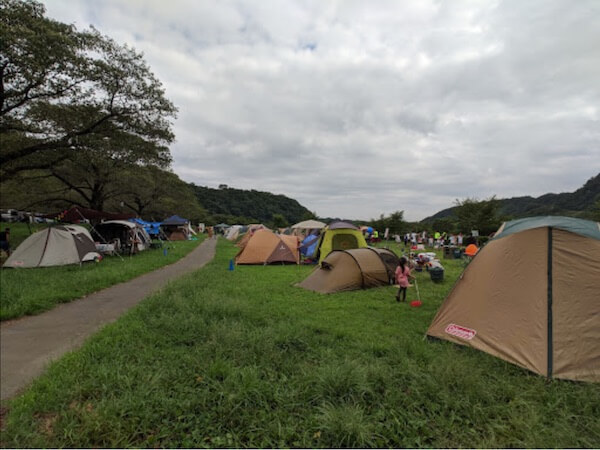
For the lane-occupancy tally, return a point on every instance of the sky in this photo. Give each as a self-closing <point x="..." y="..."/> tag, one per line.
<point x="362" y="108"/>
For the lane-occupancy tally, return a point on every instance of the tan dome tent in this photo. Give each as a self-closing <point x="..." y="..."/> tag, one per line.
<point x="531" y="296"/>
<point x="266" y="247"/>
<point x="252" y="228"/>
<point x="54" y="246"/>
<point x="348" y="270"/>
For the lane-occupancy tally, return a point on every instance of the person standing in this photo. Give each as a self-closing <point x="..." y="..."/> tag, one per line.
<point x="402" y="276"/>
<point x="5" y="240"/>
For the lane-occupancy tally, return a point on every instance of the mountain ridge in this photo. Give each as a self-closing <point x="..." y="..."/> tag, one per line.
<point x="579" y="203"/>
<point x="246" y="206"/>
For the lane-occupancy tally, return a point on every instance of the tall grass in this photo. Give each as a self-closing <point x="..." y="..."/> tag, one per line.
<point x="31" y="291"/>
<point x="244" y="359"/>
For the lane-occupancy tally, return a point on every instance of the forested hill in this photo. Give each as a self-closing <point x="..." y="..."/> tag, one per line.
<point x="584" y="203"/>
<point x="237" y="205"/>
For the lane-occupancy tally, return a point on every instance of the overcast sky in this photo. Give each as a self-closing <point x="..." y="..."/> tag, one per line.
<point x="362" y="108"/>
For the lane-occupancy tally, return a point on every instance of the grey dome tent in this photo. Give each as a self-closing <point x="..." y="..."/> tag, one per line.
<point x="54" y="246"/>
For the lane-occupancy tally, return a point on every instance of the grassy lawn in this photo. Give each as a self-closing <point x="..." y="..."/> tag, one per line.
<point x="31" y="291"/>
<point x="244" y="359"/>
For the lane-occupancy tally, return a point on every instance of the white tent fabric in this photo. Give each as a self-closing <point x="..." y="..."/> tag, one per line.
<point x="309" y="225"/>
<point x="233" y="232"/>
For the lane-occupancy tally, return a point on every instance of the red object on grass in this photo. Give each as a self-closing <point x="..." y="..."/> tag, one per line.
<point x="416" y="303"/>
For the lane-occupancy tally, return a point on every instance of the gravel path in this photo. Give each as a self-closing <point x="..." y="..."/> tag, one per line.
<point x="27" y="345"/>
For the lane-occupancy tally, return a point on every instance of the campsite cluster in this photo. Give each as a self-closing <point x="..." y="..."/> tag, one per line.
<point x="241" y="349"/>
<point x="79" y="235"/>
<point x="530" y="296"/>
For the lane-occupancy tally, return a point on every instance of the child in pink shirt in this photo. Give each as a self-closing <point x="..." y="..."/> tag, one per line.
<point x="402" y="276"/>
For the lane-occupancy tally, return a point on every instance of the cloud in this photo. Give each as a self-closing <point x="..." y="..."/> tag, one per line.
<point x="361" y="108"/>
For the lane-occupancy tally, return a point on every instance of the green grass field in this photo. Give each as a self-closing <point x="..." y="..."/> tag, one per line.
<point x="244" y="359"/>
<point x="31" y="291"/>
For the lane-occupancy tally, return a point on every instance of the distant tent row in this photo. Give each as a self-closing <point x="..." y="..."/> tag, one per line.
<point x="73" y="244"/>
<point x="175" y="227"/>
<point x="316" y="246"/>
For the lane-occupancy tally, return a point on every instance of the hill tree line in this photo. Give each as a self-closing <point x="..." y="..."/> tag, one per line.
<point x="486" y="215"/>
<point x="237" y="206"/>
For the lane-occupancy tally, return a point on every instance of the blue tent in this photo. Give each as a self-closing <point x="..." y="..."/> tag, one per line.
<point x="152" y="228"/>
<point x="309" y="245"/>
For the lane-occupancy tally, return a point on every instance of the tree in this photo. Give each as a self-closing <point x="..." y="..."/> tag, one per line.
<point x="594" y="213"/>
<point x="279" y="221"/>
<point x="473" y="214"/>
<point x="62" y="89"/>
<point x="309" y="215"/>
<point x="102" y="170"/>
<point x="446" y="224"/>
<point x="395" y="222"/>
<point x="156" y="193"/>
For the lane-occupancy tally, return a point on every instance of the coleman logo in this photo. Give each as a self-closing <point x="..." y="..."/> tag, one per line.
<point x="461" y="332"/>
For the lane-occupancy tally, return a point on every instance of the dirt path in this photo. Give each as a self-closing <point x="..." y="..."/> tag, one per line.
<point x="27" y="345"/>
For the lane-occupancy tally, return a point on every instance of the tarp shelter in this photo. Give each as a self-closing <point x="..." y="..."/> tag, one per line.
<point x="531" y="296"/>
<point x="54" y="246"/>
<point x="128" y="237"/>
<point x="339" y="236"/>
<point x="152" y="228"/>
<point x="77" y="214"/>
<point x="348" y="270"/>
<point x="266" y="247"/>
<point x="309" y="245"/>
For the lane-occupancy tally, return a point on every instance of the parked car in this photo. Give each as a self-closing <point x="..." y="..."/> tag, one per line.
<point x="11" y="215"/>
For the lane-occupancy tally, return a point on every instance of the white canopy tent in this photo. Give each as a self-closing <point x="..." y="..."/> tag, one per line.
<point x="309" y="225"/>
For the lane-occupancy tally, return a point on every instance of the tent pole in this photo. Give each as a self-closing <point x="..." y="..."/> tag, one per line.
<point x="550" y="298"/>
